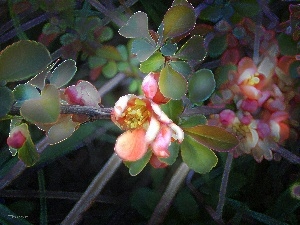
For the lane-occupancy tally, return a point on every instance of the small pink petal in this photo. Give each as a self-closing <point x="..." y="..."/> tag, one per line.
<point x="263" y="129"/>
<point x="249" y="105"/>
<point x="131" y="145"/>
<point x="246" y="68"/>
<point x="250" y="91"/>
<point x="16" y="139"/>
<point x="152" y="131"/>
<point x="279" y="116"/>
<point x="227" y="117"/>
<point x="162" y="142"/>
<point x="156" y="163"/>
<point x="150" y="86"/>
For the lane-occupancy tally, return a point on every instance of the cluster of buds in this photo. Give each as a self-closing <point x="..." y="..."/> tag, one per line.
<point x="260" y="96"/>
<point x="146" y="126"/>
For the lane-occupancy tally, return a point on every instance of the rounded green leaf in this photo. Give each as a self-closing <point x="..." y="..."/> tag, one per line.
<point x="143" y="49"/>
<point x="173" y="109"/>
<point x="213" y="137"/>
<point x="153" y="63"/>
<point x="168" y="49"/>
<point x="193" y="49"/>
<point x="178" y="20"/>
<point x="106" y="34"/>
<point x="63" y="73"/>
<point x="44" y="109"/>
<point x="109" y="52"/>
<point x="171" y="83"/>
<point x="110" y="69"/>
<point x="197" y="156"/>
<point x="6" y="102"/>
<point x="136" y="167"/>
<point x="22" y="60"/>
<point x="24" y="92"/>
<point x="287" y="46"/>
<point x="201" y="85"/>
<point x="217" y="46"/>
<point x="191" y="121"/>
<point x="174" y="151"/>
<point x="181" y="67"/>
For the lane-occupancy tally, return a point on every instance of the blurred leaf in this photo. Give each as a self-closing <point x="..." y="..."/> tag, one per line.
<point x="186" y="205"/>
<point x="144" y="201"/>
<point x="168" y="49"/>
<point x="110" y="69"/>
<point x="193" y="49"/>
<point x="247" y="8"/>
<point x="106" y="34"/>
<point x="137" y="27"/>
<point x="109" y="52"/>
<point x="287" y="46"/>
<point x="124" y="67"/>
<point x="63" y="73"/>
<point x="174" y="151"/>
<point x="201" y="85"/>
<point x="22" y="60"/>
<point x="10" y="218"/>
<point x="28" y="152"/>
<point x="212" y="13"/>
<point x="181" y="67"/>
<point x="178" y="20"/>
<point x="175" y="89"/>
<point x="213" y="137"/>
<point x="294" y="69"/>
<point x="24" y="92"/>
<point x="221" y="74"/>
<point x="45" y="109"/>
<point x="96" y="61"/>
<point x="153" y="63"/>
<point x="197" y="156"/>
<point x="192" y="121"/>
<point x="122" y="49"/>
<point x="173" y="109"/>
<point x="217" y="46"/>
<point x="7" y="100"/>
<point x="143" y="49"/>
<point x="136" y="167"/>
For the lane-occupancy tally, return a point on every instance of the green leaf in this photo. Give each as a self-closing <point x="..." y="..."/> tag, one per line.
<point x="24" y="92"/>
<point x="217" y="46"/>
<point x="153" y="63"/>
<point x="178" y="20"/>
<point x="197" y="156"/>
<point x="28" y="152"/>
<point x="193" y="49"/>
<point x="181" y="67"/>
<point x="22" y="60"/>
<point x="212" y="13"/>
<point x="173" y="109"/>
<point x="7" y="100"/>
<point x="106" y="34"/>
<point x="181" y="2"/>
<point x="174" y="151"/>
<point x="186" y="205"/>
<point x="168" y="49"/>
<point x="213" y="137"/>
<point x="287" y="46"/>
<point x="137" y="27"/>
<point x="96" y="61"/>
<point x="143" y="49"/>
<point x="221" y="74"/>
<point x="294" y="69"/>
<point x="192" y="121"/>
<point x="171" y="83"/>
<point x="44" y="109"/>
<point x="122" y="49"/>
<point x="110" y="69"/>
<point x="201" y="85"/>
<point x="63" y="73"/>
<point x="109" y="52"/>
<point x="136" y="167"/>
<point x="247" y="8"/>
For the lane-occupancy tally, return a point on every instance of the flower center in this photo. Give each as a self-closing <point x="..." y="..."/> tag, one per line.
<point x="254" y="79"/>
<point x="136" y="115"/>
<point x="241" y="129"/>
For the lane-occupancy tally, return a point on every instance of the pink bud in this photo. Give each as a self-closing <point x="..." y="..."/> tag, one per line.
<point x="249" y="105"/>
<point x="226" y="117"/>
<point x="16" y="139"/>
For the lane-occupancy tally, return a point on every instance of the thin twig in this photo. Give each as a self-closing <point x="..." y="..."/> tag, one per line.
<point x="287" y="155"/>
<point x="93" y="190"/>
<point x="163" y="206"/>
<point x="111" y="83"/>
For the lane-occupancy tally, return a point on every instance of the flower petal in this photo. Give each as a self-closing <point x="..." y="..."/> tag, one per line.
<point x="149" y="86"/>
<point x="121" y="104"/>
<point x="152" y="130"/>
<point x="162" y="142"/>
<point x="161" y="115"/>
<point x="179" y="134"/>
<point x="131" y="145"/>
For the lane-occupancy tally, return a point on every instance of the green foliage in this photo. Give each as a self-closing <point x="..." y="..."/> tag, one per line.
<point x="287" y="45"/>
<point x="153" y="64"/>
<point x="187" y="51"/>
<point x="173" y="109"/>
<point x="22" y="60"/>
<point x="136" y="167"/>
<point x="63" y="73"/>
<point x="7" y="100"/>
<point x="174" y="151"/>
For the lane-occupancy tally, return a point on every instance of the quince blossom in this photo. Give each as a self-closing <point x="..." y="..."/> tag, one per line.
<point x="17" y="137"/>
<point x="147" y="127"/>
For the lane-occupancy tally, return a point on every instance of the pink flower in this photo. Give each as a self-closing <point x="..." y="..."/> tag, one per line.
<point x="17" y="137"/>
<point x="147" y="127"/>
<point x="226" y="117"/>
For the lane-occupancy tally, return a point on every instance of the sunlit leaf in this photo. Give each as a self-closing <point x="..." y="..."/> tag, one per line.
<point x="174" y="151"/>
<point x="24" y="92"/>
<point x="193" y="49"/>
<point x="201" y="85"/>
<point x="213" y="137"/>
<point x="168" y="49"/>
<point x="63" y="73"/>
<point x="217" y="46"/>
<point x="136" y="167"/>
<point x="6" y="102"/>
<point x="137" y="27"/>
<point x="110" y="69"/>
<point x="143" y="49"/>
<point x="178" y="20"/>
<point x="173" y="109"/>
<point x="171" y="83"/>
<point x="44" y="109"/>
<point x="197" y="156"/>
<point x="181" y="67"/>
<point x="22" y="60"/>
<point x="153" y="63"/>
